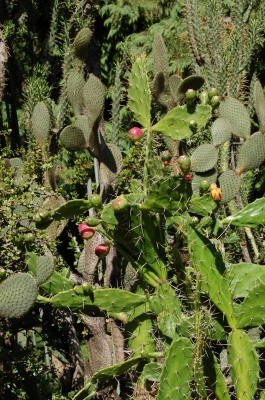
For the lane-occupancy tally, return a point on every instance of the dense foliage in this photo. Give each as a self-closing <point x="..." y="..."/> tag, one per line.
<point x="132" y="265"/>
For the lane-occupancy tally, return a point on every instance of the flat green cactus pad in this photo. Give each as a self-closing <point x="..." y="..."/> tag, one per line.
<point x="174" y="81"/>
<point x="17" y="295"/>
<point x="244" y="277"/>
<point x="72" y="138"/>
<point x="161" y="91"/>
<point x="94" y="97"/>
<point x="139" y="92"/>
<point x="75" y="85"/>
<point x="179" y="358"/>
<point x="41" y="123"/>
<point x="204" y="158"/>
<point x="44" y="269"/>
<point x="56" y="227"/>
<point x="244" y="364"/>
<point x="176" y="122"/>
<point x="111" y="164"/>
<point x="82" y="123"/>
<point x="229" y="183"/>
<point x="221" y="131"/>
<point x="160" y="56"/>
<point x="236" y="113"/>
<point x="88" y="260"/>
<point x="81" y="47"/>
<point x="210" y="176"/>
<point x="252" y="153"/>
<point x="194" y="82"/>
<point x="168" y="195"/>
<point x="259" y="103"/>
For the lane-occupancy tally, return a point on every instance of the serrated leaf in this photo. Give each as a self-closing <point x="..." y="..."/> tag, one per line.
<point x="203" y="205"/>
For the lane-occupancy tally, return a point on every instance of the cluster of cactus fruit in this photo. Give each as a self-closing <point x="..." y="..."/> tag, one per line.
<point x="188" y="322"/>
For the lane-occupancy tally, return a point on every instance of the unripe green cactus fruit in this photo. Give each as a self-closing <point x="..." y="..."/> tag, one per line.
<point x="190" y="96"/>
<point x="184" y="163"/>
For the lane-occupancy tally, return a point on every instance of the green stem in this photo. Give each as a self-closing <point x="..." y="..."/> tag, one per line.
<point x="198" y="365"/>
<point x="146" y="163"/>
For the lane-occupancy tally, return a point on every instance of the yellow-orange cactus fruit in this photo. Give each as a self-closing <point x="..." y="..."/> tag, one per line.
<point x="215" y="192"/>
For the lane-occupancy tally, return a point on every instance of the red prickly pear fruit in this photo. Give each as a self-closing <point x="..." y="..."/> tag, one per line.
<point x="96" y="200"/>
<point x="184" y="164"/>
<point x="204" y="186"/>
<point x="166" y="163"/>
<point x="190" y="96"/>
<point x="204" y="97"/>
<point x="193" y="126"/>
<point x="102" y="250"/>
<point x="135" y="134"/>
<point x="120" y="203"/>
<point x="215" y="102"/>
<point x="212" y="92"/>
<point x="187" y="177"/>
<point x="86" y="232"/>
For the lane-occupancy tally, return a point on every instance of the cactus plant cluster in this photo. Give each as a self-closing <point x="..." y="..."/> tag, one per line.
<point x="182" y="307"/>
<point x="176" y="312"/>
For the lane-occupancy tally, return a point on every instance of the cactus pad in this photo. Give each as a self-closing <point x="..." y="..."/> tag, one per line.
<point x="17" y="295"/>
<point x="88" y="260"/>
<point x="244" y="362"/>
<point x="139" y="93"/>
<point x="252" y="153"/>
<point x="229" y="183"/>
<point x="94" y="96"/>
<point x="259" y="103"/>
<point x="160" y="56"/>
<point x="41" y="123"/>
<point x="162" y="92"/>
<point x="44" y="269"/>
<point x="235" y="112"/>
<point x="194" y="82"/>
<point x="81" y="46"/>
<point x="111" y="164"/>
<point x="72" y="138"/>
<point x="174" y="81"/>
<point x="221" y="131"/>
<point x="56" y="227"/>
<point x="176" y="123"/>
<point x="82" y="123"/>
<point x="204" y="158"/>
<point x="176" y="373"/>
<point x="75" y="85"/>
<point x="210" y="176"/>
